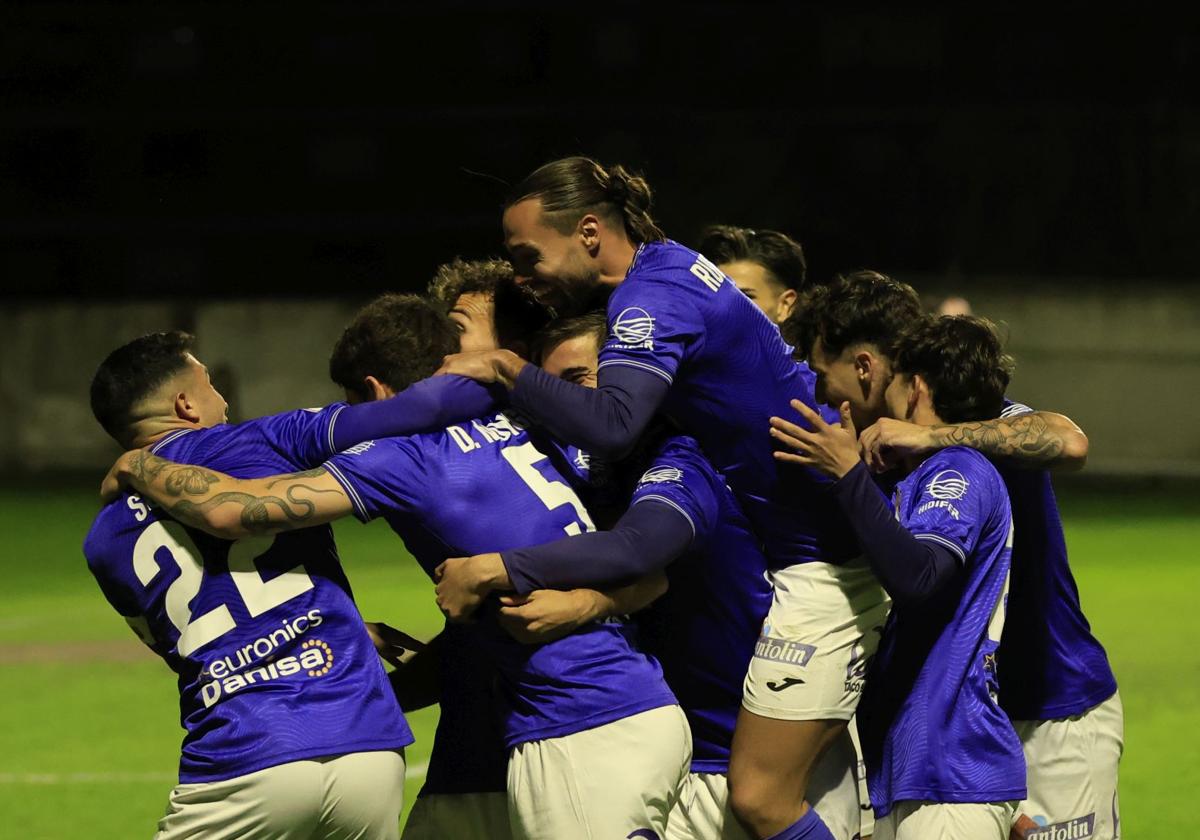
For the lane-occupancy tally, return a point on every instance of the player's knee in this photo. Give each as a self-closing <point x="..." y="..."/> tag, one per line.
<point x="759" y="803"/>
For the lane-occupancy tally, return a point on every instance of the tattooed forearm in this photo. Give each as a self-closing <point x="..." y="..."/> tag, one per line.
<point x="1028" y="438"/>
<point x="256" y="514"/>
<point x="145" y="470"/>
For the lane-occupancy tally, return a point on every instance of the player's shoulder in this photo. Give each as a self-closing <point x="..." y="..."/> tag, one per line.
<point x="1012" y="408"/>
<point x="677" y="452"/>
<point x="125" y="514"/>
<point x="956" y="471"/>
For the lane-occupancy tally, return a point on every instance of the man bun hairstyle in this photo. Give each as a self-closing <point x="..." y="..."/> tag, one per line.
<point x="778" y="253"/>
<point x="962" y="359"/>
<point x="133" y="372"/>
<point x="398" y="339"/>
<point x="572" y="186"/>
<point x="862" y="307"/>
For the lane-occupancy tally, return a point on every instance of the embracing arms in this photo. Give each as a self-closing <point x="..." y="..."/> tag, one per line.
<point x="228" y="507"/>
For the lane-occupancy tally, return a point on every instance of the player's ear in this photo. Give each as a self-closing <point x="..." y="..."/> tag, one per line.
<point x="864" y="364"/>
<point x="377" y="390"/>
<point x="919" y="393"/>
<point x="588" y="231"/>
<point x="787" y="302"/>
<point x="185" y="409"/>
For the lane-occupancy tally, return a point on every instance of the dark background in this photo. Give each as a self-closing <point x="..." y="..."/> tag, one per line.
<point x="253" y="149"/>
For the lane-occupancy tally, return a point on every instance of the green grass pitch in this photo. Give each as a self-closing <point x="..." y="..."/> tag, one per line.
<point x="90" y="720"/>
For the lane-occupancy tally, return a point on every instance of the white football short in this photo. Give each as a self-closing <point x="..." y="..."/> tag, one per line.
<point x="823" y="627"/>
<point x="617" y="780"/>
<point x="866" y="823"/>
<point x="703" y="811"/>
<point x="952" y="821"/>
<point x="1072" y="774"/>
<point x="357" y="795"/>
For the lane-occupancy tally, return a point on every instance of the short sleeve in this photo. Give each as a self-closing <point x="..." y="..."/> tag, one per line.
<point x="1014" y="409"/>
<point x="681" y="477"/>
<point x="304" y="435"/>
<point x="380" y="476"/>
<point x="651" y="326"/>
<point x="953" y="498"/>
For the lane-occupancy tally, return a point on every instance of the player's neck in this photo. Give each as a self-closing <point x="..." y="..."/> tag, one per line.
<point x="923" y="414"/>
<point x="615" y="261"/>
<point x="153" y="429"/>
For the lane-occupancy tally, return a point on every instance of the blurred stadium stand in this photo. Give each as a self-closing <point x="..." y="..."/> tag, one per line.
<point x="253" y="171"/>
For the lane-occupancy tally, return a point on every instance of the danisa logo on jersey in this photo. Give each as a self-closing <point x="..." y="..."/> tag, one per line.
<point x="634" y="329"/>
<point x="1079" y="828"/>
<point x="255" y="663"/>
<point x="775" y="649"/>
<point x="945" y="487"/>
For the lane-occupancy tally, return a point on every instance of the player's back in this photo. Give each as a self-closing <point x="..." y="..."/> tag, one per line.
<point x="931" y="726"/>
<point x="484" y="486"/>
<point x="704" y="629"/>
<point x="273" y="662"/>
<point x="676" y="315"/>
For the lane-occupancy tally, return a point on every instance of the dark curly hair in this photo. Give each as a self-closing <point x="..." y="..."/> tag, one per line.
<point x="133" y="372"/>
<point x="778" y="253"/>
<point x="572" y="186"/>
<point x="962" y="359"/>
<point x="517" y="315"/>
<point x="398" y="339"/>
<point x="863" y="307"/>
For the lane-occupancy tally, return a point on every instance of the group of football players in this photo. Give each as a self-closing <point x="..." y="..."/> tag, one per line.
<point x="702" y="531"/>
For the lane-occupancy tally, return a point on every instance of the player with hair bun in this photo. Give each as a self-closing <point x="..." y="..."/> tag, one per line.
<point x="683" y="340"/>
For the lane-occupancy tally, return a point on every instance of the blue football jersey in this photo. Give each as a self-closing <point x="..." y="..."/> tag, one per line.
<point x="704" y="629"/>
<point x="1053" y="666"/>
<point x="930" y="721"/>
<point x="273" y="661"/>
<point x="678" y="317"/>
<point x="484" y="486"/>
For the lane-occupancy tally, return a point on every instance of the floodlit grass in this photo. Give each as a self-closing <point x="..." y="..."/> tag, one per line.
<point x="90" y="721"/>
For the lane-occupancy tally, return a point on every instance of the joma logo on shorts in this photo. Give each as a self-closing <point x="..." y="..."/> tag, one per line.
<point x="781" y="650"/>
<point x="1079" y="828"/>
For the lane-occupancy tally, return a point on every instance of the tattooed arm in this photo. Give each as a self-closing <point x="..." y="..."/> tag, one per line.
<point x="1036" y="440"/>
<point x="229" y="507"/>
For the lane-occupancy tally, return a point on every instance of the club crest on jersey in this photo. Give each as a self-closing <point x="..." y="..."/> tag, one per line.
<point x="948" y="484"/>
<point x="660" y="475"/>
<point x="634" y="328"/>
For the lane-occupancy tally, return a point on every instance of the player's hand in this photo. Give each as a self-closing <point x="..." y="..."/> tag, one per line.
<point x="831" y="449"/>
<point x="887" y="442"/>
<point x="391" y="644"/>
<point x="463" y="583"/>
<point x="113" y="484"/>
<point x="486" y="366"/>
<point x="545" y="614"/>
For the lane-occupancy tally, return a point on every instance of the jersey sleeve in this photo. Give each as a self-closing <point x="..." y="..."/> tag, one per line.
<point x="652" y="327"/>
<point x="380" y="476"/>
<point x="954" y="497"/>
<point x="305" y="435"/>
<point x="1014" y="409"/>
<point x="681" y="477"/>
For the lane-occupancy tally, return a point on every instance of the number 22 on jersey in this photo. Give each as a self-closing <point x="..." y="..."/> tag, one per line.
<point x="257" y="594"/>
